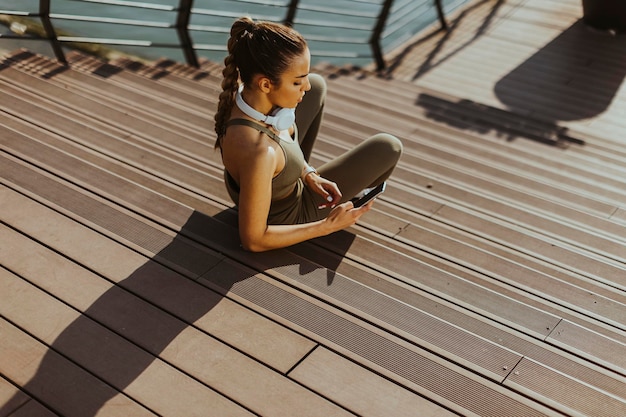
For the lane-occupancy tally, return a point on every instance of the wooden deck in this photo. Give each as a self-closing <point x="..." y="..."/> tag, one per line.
<point x="489" y="280"/>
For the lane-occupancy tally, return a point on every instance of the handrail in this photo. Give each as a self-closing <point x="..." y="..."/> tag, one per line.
<point x="185" y="10"/>
<point x="291" y="12"/>
<point x="441" y="15"/>
<point x="378" y="30"/>
<point x="182" y="27"/>
<point x="44" y="13"/>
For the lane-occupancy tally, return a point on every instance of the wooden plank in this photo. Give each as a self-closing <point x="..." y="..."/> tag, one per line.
<point x="608" y="352"/>
<point x="124" y="121"/>
<point x="15" y="403"/>
<point x="179" y="350"/>
<point x="557" y="251"/>
<point x="479" y="88"/>
<point x="172" y="88"/>
<point x="549" y="165"/>
<point x="562" y="392"/>
<point x="170" y="104"/>
<point x="620" y="215"/>
<point x="145" y="378"/>
<point x="171" y="209"/>
<point x="406" y="93"/>
<point x="391" y="357"/>
<point x="235" y="286"/>
<point x="11" y="398"/>
<point x="280" y="266"/>
<point x="211" y="180"/>
<point x="218" y="316"/>
<point x="367" y="394"/>
<point x="21" y="355"/>
<point x="133" y="151"/>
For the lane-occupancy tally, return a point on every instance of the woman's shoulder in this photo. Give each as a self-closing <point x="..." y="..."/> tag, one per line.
<point x="243" y="142"/>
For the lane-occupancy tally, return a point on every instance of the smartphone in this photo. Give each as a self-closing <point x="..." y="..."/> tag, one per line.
<point x="370" y="195"/>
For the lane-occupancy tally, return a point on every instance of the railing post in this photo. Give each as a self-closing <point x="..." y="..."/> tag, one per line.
<point x="182" y="27"/>
<point x="291" y="12"/>
<point x="378" y="30"/>
<point x="441" y="14"/>
<point x="44" y="15"/>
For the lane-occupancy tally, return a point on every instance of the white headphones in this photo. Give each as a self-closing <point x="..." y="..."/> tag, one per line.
<point x="281" y="120"/>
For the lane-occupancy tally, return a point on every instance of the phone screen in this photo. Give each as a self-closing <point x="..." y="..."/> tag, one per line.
<point x="369" y="196"/>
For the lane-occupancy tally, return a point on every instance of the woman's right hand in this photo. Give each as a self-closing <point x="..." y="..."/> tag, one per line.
<point x="345" y="215"/>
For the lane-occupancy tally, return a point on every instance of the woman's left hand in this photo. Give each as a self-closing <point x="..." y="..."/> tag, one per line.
<point x="327" y="189"/>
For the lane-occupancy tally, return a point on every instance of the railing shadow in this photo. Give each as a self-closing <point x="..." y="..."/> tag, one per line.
<point x="127" y="309"/>
<point x="436" y="57"/>
<point x="479" y="118"/>
<point x="573" y="77"/>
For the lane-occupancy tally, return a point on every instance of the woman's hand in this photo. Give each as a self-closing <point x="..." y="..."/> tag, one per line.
<point x="327" y="189"/>
<point x="345" y="215"/>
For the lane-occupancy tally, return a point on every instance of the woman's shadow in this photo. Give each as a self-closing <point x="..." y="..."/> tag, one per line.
<point x="574" y="77"/>
<point x="121" y="334"/>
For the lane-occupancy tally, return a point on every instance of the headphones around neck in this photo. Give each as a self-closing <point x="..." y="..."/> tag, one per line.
<point x="281" y="119"/>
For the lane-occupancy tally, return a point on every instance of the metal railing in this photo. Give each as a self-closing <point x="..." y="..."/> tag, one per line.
<point x="183" y="26"/>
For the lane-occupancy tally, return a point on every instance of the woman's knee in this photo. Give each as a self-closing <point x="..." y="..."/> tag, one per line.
<point x="386" y="144"/>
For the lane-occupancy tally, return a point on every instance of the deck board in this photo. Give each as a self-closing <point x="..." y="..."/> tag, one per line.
<point x="488" y="280"/>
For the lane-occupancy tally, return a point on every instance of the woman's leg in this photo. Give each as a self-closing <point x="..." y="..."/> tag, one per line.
<point x="367" y="165"/>
<point x="309" y="114"/>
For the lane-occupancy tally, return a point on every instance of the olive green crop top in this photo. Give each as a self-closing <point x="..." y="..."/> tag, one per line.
<point x="286" y="182"/>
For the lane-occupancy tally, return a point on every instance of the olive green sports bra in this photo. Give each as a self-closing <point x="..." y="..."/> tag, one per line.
<point x="284" y="183"/>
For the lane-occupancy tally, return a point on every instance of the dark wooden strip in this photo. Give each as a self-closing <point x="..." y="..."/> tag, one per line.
<point x="113" y="82"/>
<point x="135" y="152"/>
<point x="189" y="80"/>
<point x="453" y="115"/>
<point x="440" y="163"/>
<point x="110" y="158"/>
<point x="130" y="370"/>
<point x="565" y="254"/>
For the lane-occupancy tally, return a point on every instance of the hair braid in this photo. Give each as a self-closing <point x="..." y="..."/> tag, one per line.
<point x="230" y="80"/>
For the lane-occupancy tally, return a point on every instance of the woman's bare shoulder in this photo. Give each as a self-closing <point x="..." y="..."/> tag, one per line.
<point x="243" y="146"/>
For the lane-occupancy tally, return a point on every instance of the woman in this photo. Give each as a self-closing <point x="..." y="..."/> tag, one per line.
<point x="265" y="144"/>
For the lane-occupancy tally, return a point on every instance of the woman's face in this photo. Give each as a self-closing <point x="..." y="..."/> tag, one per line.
<point x="293" y="83"/>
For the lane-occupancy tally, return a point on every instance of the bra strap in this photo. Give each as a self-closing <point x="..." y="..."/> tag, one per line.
<point x="254" y="125"/>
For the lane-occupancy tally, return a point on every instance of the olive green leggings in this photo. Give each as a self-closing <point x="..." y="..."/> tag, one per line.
<point x="366" y="165"/>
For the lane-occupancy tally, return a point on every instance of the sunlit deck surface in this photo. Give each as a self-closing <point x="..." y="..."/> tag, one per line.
<point x="489" y="279"/>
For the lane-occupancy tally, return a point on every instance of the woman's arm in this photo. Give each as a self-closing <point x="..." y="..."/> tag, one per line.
<point x="254" y="205"/>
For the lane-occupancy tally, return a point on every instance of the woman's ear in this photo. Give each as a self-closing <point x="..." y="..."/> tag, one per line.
<point x="265" y="85"/>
